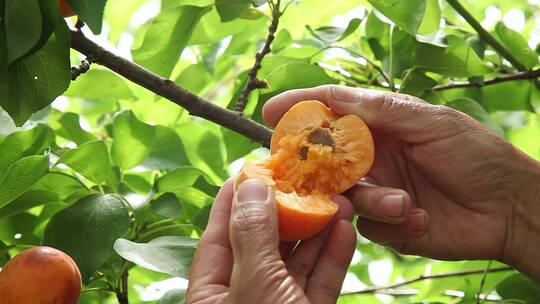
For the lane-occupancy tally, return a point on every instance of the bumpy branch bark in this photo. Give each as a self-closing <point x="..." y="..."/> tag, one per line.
<point x="252" y="82"/>
<point x="376" y="289"/>
<point x="511" y="77"/>
<point x="194" y="104"/>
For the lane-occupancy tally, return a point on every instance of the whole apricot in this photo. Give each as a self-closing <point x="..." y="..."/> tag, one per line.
<point x="316" y="154"/>
<point x="65" y="9"/>
<point x="40" y="275"/>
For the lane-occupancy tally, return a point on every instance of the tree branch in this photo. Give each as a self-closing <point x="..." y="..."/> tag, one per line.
<point x="82" y="68"/>
<point x="252" y="82"/>
<point x="486" y="36"/>
<point x="510" y="77"/>
<point x="194" y="104"/>
<point x="375" y="289"/>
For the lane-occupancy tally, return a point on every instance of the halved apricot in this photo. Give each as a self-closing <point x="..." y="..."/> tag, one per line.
<point x="316" y="154"/>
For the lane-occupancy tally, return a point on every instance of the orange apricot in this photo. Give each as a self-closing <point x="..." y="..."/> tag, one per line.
<point x="316" y="154"/>
<point x="40" y="275"/>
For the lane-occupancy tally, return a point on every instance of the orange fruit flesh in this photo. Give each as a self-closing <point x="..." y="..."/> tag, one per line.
<point x="316" y="154"/>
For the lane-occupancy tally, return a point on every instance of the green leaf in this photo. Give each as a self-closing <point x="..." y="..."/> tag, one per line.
<point x="432" y="18"/>
<point x="168" y="254"/>
<point x="91" y="160"/>
<point x="138" y="183"/>
<point x="476" y="111"/>
<point x="119" y="22"/>
<point x="517" y="45"/>
<point x="194" y="78"/>
<point x="35" y="81"/>
<point x="70" y="128"/>
<point x="521" y="137"/>
<point x="173" y="296"/>
<point x="90" y="11"/>
<point x="519" y="287"/>
<point x="403" y="53"/>
<point x="237" y="145"/>
<point x="331" y="34"/>
<point x="231" y="9"/>
<point x="133" y="140"/>
<point x="456" y="60"/>
<point x="28" y="200"/>
<point x="167" y="205"/>
<point x="25" y="143"/>
<point x="416" y="83"/>
<point x="167" y="37"/>
<point x="23" y="27"/>
<point x="183" y="177"/>
<point x="19" y="229"/>
<point x="508" y="96"/>
<point x="88" y="229"/>
<point x="296" y="75"/>
<point x="203" y="148"/>
<point x="62" y="184"/>
<point x="406" y="14"/>
<point x="201" y="219"/>
<point x="111" y="86"/>
<point x="21" y="175"/>
<point x="283" y="39"/>
<point x="168" y="151"/>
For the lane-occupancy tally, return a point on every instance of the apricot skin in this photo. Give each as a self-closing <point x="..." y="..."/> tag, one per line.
<point x="65" y="9"/>
<point x="40" y="275"/>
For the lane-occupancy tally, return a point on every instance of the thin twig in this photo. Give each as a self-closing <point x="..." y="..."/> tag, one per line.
<point x="194" y="104"/>
<point x="252" y="82"/>
<point x="482" y="282"/>
<point x="375" y="289"/>
<point x="510" y="77"/>
<point x="82" y="68"/>
<point x="486" y="36"/>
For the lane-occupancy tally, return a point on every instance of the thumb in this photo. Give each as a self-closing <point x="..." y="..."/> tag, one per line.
<point x="253" y="225"/>
<point x="408" y="118"/>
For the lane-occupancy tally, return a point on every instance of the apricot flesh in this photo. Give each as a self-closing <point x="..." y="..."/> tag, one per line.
<point x="316" y="154"/>
<point x="40" y="275"/>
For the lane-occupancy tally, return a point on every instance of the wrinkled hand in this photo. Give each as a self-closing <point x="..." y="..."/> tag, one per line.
<point x="441" y="185"/>
<point x="240" y="259"/>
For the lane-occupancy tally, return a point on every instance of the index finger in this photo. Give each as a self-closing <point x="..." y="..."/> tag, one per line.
<point x="276" y="106"/>
<point x="212" y="263"/>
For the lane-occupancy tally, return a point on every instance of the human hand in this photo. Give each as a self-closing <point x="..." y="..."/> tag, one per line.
<point x="441" y="185"/>
<point x="241" y="260"/>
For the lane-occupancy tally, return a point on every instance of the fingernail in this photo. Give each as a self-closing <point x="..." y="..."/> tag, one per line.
<point x="252" y="190"/>
<point x="393" y="205"/>
<point x="344" y="94"/>
<point x="416" y="221"/>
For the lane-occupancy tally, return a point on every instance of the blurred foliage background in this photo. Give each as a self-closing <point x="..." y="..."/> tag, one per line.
<point x="123" y="180"/>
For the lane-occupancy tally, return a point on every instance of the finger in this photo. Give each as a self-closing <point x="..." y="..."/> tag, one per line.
<point x="383" y="204"/>
<point x="408" y="118"/>
<point x="325" y="283"/>
<point x="415" y="226"/>
<point x="302" y="261"/>
<point x="253" y="226"/>
<point x="276" y="106"/>
<point x="212" y="263"/>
